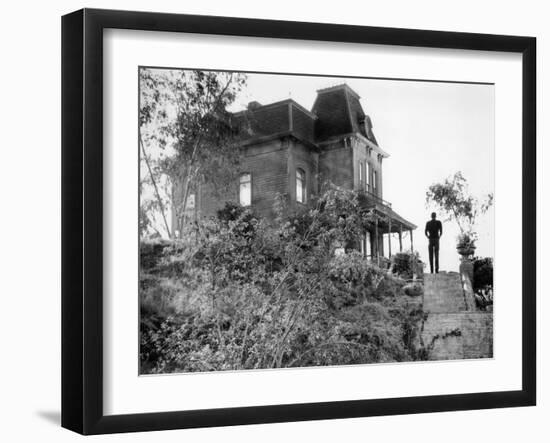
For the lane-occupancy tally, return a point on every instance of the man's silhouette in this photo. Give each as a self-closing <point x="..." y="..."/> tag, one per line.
<point x="434" y="230"/>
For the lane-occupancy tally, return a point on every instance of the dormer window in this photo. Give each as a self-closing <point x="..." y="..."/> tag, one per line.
<point x="245" y="189"/>
<point x="300" y="186"/>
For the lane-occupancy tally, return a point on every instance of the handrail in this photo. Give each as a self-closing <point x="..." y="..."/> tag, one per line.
<point x="376" y="198"/>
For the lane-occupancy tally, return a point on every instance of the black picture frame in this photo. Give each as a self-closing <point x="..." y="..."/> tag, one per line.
<point x="82" y="218"/>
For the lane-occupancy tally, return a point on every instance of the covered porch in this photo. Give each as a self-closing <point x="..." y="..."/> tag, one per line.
<point x="387" y="231"/>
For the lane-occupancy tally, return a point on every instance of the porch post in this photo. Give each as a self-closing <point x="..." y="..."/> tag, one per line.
<point x="400" y="237"/>
<point x="376" y="240"/>
<point x="412" y="244"/>
<point x="389" y="238"/>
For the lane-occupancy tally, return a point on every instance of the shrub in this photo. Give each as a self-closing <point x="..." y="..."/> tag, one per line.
<point x="402" y="265"/>
<point x="236" y="293"/>
<point x="466" y="240"/>
<point x="244" y="221"/>
<point x="413" y="289"/>
<point x="483" y="273"/>
<point x="150" y="252"/>
<point x="351" y="279"/>
<point x="406" y="264"/>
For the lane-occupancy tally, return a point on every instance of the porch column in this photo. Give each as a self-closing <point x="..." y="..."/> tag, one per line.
<point x="412" y="244"/>
<point x="376" y="240"/>
<point x="400" y="237"/>
<point x="389" y="238"/>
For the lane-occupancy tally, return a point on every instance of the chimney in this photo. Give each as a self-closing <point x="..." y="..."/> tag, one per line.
<point x="254" y="105"/>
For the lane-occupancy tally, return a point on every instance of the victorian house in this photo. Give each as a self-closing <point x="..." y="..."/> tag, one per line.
<point x="290" y="150"/>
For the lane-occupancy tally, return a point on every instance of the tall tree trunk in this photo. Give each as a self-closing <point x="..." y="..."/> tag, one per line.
<point x="161" y="204"/>
<point x="187" y="184"/>
<point x="187" y="181"/>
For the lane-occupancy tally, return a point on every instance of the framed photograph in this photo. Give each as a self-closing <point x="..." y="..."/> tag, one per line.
<point x="269" y="221"/>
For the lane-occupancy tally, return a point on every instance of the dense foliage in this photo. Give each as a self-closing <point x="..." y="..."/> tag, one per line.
<point x="238" y="293"/>
<point x="483" y="273"/>
<point x="407" y="265"/>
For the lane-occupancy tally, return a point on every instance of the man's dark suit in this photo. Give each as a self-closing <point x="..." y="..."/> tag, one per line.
<point x="433" y="231"/>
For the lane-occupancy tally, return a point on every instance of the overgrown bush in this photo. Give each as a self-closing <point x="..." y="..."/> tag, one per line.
<point x="406" y="264"/>
<point x="483" y="273"/>
<point x="351" y="279"/>
<point x="237" y="293"/>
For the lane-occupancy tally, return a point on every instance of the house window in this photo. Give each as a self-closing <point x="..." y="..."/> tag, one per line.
<point x="190" y="204"/>
<point x="245" y="189"/>
<point x="368" y="246"/>
<point x="300" y="186"/>
<point x="375" y="180"/>
<point x="361" y="175"/>
<point x="365" y="245"/>
<point x="368" y="176"/>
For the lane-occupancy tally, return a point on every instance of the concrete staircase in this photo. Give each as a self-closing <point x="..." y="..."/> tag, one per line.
<point x="443" y="293"/>
<point x="452" y="331"/>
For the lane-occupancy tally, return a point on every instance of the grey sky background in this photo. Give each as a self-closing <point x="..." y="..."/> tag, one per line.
<point x="431" y="130"/>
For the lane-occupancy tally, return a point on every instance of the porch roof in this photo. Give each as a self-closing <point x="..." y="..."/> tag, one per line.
<point x="386" y="214"/>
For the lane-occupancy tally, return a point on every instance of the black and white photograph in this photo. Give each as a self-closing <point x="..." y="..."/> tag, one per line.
<point x="266" y="222"/>
<point x="291" y="221"/>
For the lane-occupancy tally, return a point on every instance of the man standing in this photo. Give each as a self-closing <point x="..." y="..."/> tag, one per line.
<point x="434" y="230"/>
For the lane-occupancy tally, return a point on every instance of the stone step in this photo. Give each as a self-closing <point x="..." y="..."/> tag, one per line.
<point x="450" y="331"/>
<point x="443" y="293"/>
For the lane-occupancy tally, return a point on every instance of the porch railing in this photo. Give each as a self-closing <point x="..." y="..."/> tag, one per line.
<point x="369" y="196"/>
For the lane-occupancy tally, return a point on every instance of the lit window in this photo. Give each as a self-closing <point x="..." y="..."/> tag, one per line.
<point x="245" y="189"/>
<point x="300" y="186"/>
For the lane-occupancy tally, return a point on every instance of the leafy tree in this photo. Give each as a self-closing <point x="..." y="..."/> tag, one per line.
<point x="183" y="117"/>
<point x="453" y="199"/>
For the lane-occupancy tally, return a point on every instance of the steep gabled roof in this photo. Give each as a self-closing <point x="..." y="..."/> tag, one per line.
<point x="333" y="113"/>
<point x="339" y="112"/>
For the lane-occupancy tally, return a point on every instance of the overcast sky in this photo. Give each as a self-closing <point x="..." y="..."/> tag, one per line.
<point x="430" y="130"/>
